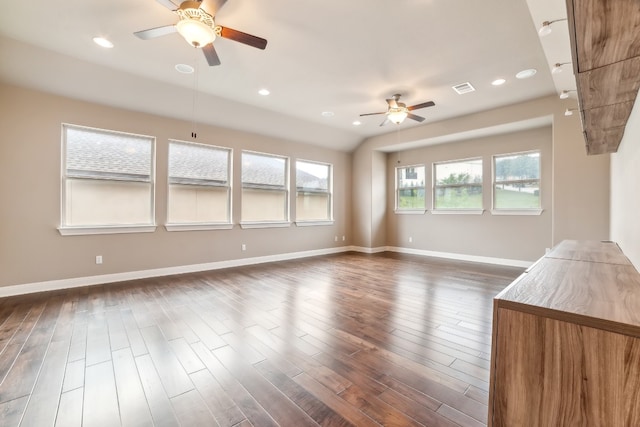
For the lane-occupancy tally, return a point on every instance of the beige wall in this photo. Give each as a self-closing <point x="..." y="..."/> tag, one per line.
<point x="580" y="192"/>
<point x="516" y="237"/>
<point x="32" y="250"/>
<point x="625" y="190"/>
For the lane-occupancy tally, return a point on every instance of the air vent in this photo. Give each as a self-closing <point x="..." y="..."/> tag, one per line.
<point x="463" y="88"/>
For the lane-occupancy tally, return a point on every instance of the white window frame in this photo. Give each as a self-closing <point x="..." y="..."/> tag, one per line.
<point x="227" y="225"/>
<point x="329" y="192"/>
<point x="456" y="211"/>
<point x="287" y="212"/>
<point x="515" y="211"/>
<point x="410" y="211"/>
<point x="76" y="230"/>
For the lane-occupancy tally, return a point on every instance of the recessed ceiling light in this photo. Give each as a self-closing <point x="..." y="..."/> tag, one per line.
<point x="184" y="68"/>
<point x="498" y="82"/>
<point x="357" y="123"/>
<point x="328" y="114"/>
<point x="100" y="41"/>
<point x="525" y="74"/>
<point x="264" y="92"/>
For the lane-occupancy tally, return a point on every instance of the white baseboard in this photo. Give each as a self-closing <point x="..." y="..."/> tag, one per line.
<point x="462" y="257"/>
<point x="77" y="282"/>
<point x="365" y="250"/>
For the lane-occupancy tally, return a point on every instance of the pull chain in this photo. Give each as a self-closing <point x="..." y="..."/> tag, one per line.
<point x="194" y="122"/>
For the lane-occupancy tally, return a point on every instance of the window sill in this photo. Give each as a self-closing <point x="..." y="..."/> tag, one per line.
<point x="517" y="211"/>
<point x="410" y="211"/>
<point x="265" y="224"/>
<point x="197" y="227"/>
<point x="457" y="211"/>
<point x="313" y="223"/>
<point x="106" y="229"/>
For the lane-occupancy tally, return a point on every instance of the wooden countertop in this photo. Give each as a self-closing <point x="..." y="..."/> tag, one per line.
<point x="588" y="283"/>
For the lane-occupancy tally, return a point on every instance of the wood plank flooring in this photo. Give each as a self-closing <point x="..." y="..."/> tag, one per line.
<point x="348" y="339"/>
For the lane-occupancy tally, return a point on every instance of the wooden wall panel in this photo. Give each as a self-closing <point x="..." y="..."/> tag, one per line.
<point x="606" y="56"/>
<point x="598" y="23"/>
<point x="617" y="116"/>
<point x="602" y="141"/>
<point x="597" y="85"/>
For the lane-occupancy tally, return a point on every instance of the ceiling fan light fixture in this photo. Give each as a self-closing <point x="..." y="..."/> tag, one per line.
<point x="397" y="116"/>
<point x="195" y="32"/>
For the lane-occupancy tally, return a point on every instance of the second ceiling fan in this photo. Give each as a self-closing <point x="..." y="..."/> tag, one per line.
<point x="398" y="111"/>
<point x="199" y="29"/>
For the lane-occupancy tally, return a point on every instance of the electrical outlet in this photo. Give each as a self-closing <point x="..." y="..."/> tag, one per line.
<point x="244" y="247"/>
<point x="344" y="238"/>
<point x="98" y="259"/>
<point x="410" y="239"/>
<point x="335" y="239"/>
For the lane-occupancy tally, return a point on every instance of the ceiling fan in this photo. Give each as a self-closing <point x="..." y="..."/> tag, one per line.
<point x="398" y="111"/>
<point x="199" y="29"/>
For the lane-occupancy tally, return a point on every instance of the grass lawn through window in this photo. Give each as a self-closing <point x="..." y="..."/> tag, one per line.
<point x="504" y="199"/>
<point x="509" y="199"/>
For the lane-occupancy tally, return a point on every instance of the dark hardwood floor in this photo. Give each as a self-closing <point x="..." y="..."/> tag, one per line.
<point x="347" y="339"/>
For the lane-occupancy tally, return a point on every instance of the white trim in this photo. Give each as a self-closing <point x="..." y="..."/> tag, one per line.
<point x="517" y="211"/>
<point x="457" y="211"/>
<point x="265" y="224"/>
<point x="197" y="227"/>
<point x="410" y="211"/>
<point x="364" y="250"/>
<point x="78" y="282"/>
<point x="312" y="223"/>
<point x="106" y="229"/>
<point x="462" y="257"/>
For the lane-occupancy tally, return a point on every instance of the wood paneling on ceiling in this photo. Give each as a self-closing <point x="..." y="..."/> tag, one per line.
<point x="606" y="56"/>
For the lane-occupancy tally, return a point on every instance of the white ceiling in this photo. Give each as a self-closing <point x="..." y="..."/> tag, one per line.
<point x="330" y="55"/>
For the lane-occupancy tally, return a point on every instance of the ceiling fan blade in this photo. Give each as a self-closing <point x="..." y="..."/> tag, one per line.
<point x="213" y="6"/>
<point x="414" y="117"/>
<point x="385" y="121"/>
<point x="423" y="105"/>
<point x="211" y="55"/>
<point x="152" y="33"/>
<point x="393" y="103"/>
<point x="244" y="38"/>
<point x="372" y="114"/>
<point x="168" y="4"/>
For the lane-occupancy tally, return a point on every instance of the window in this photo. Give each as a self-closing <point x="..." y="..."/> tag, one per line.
<point x="410" y="190"/>
<point x="313" y="191"/>
<point x="107" y="182"/>
<point x="199" y="190"/>
<point x="516" y="181"/>
<point x="265" y="189"/>
<point x="458" y="185"/>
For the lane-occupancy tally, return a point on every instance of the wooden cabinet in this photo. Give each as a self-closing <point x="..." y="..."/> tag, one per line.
<point x="566" y="341"/>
